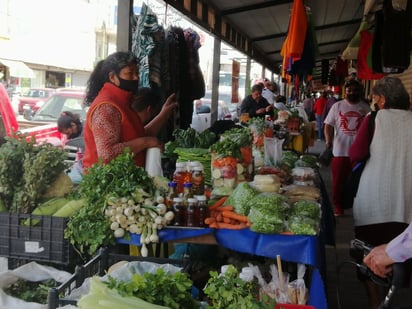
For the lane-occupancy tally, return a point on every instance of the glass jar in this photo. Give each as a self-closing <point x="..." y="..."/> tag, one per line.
<point x="192" y="217"/>
<point x="187" y="192"/>
<point x="198" y="181"/>
<point x="179" y="211"/>
<point x="181" y="175"/>
<point x="171" y="194"/>
<point x="203" y="210"/>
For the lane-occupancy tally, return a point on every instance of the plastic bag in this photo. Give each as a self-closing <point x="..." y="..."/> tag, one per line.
<point x="297" y="290"/>
<point x="273" y="151"/>
<point x="154" y="162"/>
<point x="30" y="272"/>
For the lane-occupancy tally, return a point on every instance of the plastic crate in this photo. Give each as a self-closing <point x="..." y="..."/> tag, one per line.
<point x="42" y="242"/>
<point x="98" y="266"/>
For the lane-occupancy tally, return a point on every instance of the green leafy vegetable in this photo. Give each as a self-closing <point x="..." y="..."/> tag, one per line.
<point x="231" y="292"/>
<point x="160" y="288"/>
<point x="102" y="297"/>
<point x="31" y="291"/>
<point x="89" y="229"/>
<point x="240" y="198"/>
<point x="268" y="213"/>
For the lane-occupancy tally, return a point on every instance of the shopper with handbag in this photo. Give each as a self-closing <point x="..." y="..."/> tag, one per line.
<point x="382" y="207"/>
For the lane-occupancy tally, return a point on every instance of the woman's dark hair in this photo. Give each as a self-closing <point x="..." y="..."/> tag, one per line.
<point x="65" y="122"/>
<point x="394" y="92"/>
<point x="145" y="97"/>
<point x="100" y="75"/>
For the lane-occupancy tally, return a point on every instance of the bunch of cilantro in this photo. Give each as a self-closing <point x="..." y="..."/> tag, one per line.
<point x="229" y="291"/>
<point x="159" y="287"/>
<point x="89" y="229"/>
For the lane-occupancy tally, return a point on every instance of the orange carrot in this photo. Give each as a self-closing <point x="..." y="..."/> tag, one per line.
<point x="235" y="216"/>
<point x="218" y="203"/>
<point x="210" y="220"/>
<point x="227" y="220"/>
<point x="224" y="208"/>
<point x="222" y="225"/>
<point x="219" y="218"/>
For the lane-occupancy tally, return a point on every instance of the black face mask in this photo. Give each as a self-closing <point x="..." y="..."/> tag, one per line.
<point x="129" y="85"/>
<point x="353" y="97"/>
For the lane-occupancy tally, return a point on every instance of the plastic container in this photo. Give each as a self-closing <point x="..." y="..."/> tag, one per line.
<point x="198" y="180"/>
<point x="171" y="194"/>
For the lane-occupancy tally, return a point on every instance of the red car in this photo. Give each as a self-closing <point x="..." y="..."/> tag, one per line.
<point x="34" y="98"/>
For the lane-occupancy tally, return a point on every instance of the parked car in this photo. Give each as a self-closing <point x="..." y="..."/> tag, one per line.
<point x="62" y="100"/>
<point x="33" y="99"/>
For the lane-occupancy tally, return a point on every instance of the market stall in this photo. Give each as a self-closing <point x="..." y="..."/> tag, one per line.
<point x="299" y="249"/>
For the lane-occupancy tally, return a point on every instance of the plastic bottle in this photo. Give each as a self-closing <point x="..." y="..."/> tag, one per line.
<point x="203" y="210"/>
<point x="179" y="210"/>
<point x="192" y="216"/>
<point x="171" y="194"/>
<point x="198" y="180"/>
<point x="180" y="176"/>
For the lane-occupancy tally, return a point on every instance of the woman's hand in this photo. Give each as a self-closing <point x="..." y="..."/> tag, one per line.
<point x="379" y="261"/>
<point x="151" y="142"/>
<point x="170" y="104"/>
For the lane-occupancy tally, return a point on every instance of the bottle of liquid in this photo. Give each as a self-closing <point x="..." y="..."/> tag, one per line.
<point x="198" y="180"/>
<point x="187" y="192"/>
<point x="171" y="194"/>
<point x="180" y="176"/>
<point x="203" y="210"/>
<point x="179" y="211"/>
<point x="192" y="213"/>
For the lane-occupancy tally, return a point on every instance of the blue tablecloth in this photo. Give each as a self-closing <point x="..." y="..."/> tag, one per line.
<point x="293" y="248"/>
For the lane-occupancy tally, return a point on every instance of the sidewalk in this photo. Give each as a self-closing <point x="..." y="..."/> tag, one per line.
<point x="342" y="287"/>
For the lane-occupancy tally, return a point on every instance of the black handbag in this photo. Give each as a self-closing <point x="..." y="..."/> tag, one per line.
<point x="325" y="157"/>
<point x="351" y="185"/>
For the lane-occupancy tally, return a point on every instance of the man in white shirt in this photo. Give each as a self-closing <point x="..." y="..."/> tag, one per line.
<point x="269" y="90"/>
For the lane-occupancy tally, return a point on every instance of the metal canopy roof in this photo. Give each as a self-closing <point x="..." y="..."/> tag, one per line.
<point x="259" y="27"/>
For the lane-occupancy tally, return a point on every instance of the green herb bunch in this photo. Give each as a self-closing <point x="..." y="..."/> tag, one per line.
<point x="228" y="291"/>
<point x="160" y="288"/>
<point x="26" y="171"/>
<point x="89" y="229"/>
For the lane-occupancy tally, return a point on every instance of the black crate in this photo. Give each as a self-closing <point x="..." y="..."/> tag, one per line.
<point x="43" y="242"/>
<point x="98" y="266"/>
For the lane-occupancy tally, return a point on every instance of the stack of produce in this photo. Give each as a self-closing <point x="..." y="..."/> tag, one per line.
<point x="102" y="187"/>
<point x="138" y="214"/>
<point x="231" y="160"/>
<point x="189" y="145"/>
<point x="33" y="181"/>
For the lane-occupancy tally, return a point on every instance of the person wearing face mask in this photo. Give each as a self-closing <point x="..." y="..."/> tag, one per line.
<point x="111" y="123"/>
<point x="340" y="128"/>
<point x="382" y="208"/>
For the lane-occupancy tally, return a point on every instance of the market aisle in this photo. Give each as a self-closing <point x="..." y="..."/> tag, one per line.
<point x="342" y="285"/>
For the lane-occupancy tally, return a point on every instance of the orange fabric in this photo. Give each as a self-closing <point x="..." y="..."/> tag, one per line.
<point x="132" y="127"/>
<point x="295" y="40"/>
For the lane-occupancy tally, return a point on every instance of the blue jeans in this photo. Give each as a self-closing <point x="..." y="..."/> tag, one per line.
<point x="319" y="122"/>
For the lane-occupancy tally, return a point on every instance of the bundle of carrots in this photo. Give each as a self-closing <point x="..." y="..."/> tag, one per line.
<point x="223" y="217"/>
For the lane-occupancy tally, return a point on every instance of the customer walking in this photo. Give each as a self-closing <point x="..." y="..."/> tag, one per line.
<point x="382" y="207"/>
<point x="318" y="110"/>
<point x="341" y="126"/>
